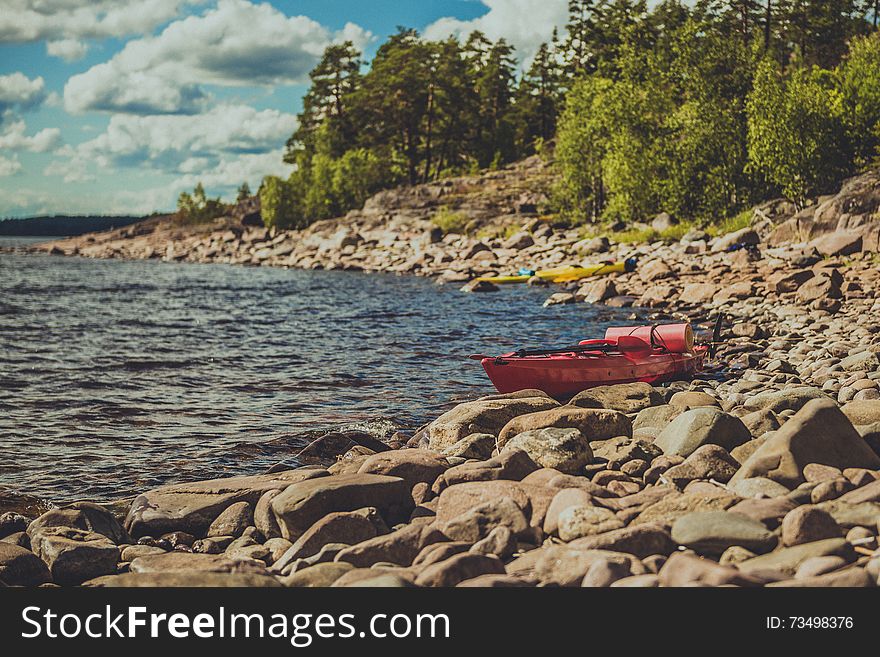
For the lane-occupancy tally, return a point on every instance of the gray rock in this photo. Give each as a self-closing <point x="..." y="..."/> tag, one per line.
<point x="594" y="423"/>
<point x="656" y="417"/>
<point x="73" y="555"/>
<point x="818" y="433"/>
<point x="566" y="450"/>
<point x="487" y="416"/>
<point x="624" y="397"/>
<point x="712" y="532"/>
<point x="232" y="521"/>
<point x="85" y="516"/>
<point x="184" y="579"/>
<point x="474" y="446"/>
<point x="192" y="507"/>
<point x="702" y="426"/>
<point x="758" y="487"/>
<point x="788" y="560"/>
<point x="706" y="462"/>
<point x="792" y="399"/>
<point x="302" y="504"/>
<point x="21" y="567"/>
<point x="579" y="521"/>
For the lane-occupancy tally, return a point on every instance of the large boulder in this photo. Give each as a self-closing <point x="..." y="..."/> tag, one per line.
<point x="185" y="579"/>
<point x="194" y="506"/>
<point x="594" y="423"/>
<point x="586" y="520"/>
<point x="412" y="465"/>
<point x="399" y="547"/>
<point x="339" y="527"/>
<point x="818" y="433"/>
<point x="513" y="464"/>
<point x="838" y="243"/>
<point x="788" y="399"/>
<point x="566" y="450"/>
<point x="188" y="561"/>
<point x="476" y="524"/>
<point x="21" y="567"/>
<point x="459" y="568"/>
<point x="459" y="499"/>
<point x="702" y="426"/>
<point x="482" y="416"/>
<point x="641" y="541"/>
<point x="712" y="532"/>
<point x="624" y="397"/>
<point x="566" y="565"/>
<point x="787" y="560"/>
<point x="73" y="555"/>
<point x="863" y="412"/>
<point x="706" y="462"/>
<point x="302" y="504"/>
<point x="85" y="516"/>
<point x="656" y="417"/>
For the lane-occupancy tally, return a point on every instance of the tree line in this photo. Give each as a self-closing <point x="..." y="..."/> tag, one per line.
<point x="695" y="109"/>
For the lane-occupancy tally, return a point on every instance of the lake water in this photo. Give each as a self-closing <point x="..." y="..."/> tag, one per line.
<point x="117" y="376"/>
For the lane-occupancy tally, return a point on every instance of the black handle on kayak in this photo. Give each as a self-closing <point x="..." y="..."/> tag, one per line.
<point x="578" y="349"/>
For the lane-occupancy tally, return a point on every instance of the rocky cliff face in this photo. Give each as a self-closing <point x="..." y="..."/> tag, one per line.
<point x="847" y="221"/>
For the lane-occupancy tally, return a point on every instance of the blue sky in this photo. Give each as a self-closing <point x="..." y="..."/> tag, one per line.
<point x="115" y="106"/>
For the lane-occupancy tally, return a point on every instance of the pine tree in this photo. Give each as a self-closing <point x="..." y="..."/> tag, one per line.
<point x="538" y="100"/>
<point x="393" y="100"/>
<point x="581" y="30"/>
<point x="333" y="81"/>
<point x="495" y="87"/>
<point x="244" y="192"/>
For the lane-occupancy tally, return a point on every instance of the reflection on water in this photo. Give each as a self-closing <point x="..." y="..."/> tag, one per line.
<point x="117" y="376"/>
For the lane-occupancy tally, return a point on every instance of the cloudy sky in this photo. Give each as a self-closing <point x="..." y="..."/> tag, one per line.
<point x="115" y="106"/>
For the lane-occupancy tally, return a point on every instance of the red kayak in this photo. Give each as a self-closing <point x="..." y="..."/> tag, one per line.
<point x="626" y="355"/>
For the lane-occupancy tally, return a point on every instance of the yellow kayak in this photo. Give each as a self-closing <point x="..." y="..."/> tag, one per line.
<point x="564" y="274"/>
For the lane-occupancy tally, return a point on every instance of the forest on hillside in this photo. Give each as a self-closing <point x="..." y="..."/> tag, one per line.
<point x="697" y="109"/>
<point x="62" y="225"/>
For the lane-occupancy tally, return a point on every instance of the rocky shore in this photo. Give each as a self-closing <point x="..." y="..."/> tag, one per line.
<point x="769" y="476"/>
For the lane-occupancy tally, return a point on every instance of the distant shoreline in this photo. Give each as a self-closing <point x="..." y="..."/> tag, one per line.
<point x="63" y="225"/>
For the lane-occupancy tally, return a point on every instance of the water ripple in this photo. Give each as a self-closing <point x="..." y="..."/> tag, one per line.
<point x="116" y="376"/>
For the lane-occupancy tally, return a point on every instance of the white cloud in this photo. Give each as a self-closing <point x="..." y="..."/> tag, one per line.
<point x="9" y="166"/>
<point x="353" y="32"/>
<point x="223" y="147"/>
<point x="15" y="139"/>
<point x="35" y="20"/>
<point x="525" y="24"/>
<point x="238" y="43"/>
<point x="29" y="202"/>
<point x="229" y="173"/>
<point x="18" y="90"/>
<point x="169" y="140"/>
<point x="71" y="169"/>
<point x="69" y="50"/>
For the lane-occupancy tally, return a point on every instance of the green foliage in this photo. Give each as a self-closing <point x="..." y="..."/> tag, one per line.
<point x="731" y="224"/>
<point x="859" y="81"/>
<point x="797" y="137"/>
<point x="450" y="222"/>
<point x="244" y="192"/>
<point x="580" y="149"/>
<point x="280" y="203"/>
<point x="198" y="208"/>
